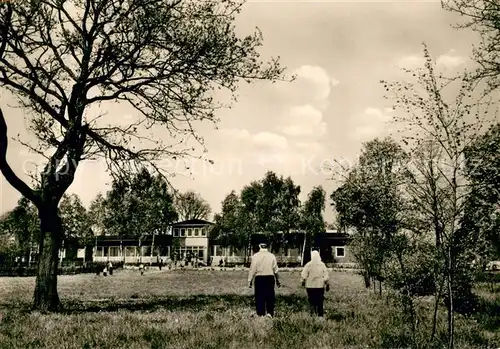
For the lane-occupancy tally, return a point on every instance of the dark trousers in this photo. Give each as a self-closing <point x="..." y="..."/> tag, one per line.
<point x="264" y="295"/>
<point x="316" y="297"/>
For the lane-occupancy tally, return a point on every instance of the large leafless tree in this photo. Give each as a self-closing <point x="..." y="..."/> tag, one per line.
<point x="164" y="58"/>
<point x="191" y="205"/>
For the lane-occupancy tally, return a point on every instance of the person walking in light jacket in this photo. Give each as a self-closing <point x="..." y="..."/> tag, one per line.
<point x="315" y="278"/>
<point x="264" y="273"/>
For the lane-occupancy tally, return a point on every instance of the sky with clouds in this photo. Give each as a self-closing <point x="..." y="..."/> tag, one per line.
<point x="339" y="51"/>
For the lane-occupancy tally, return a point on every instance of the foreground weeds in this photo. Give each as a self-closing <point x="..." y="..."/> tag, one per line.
<point x="203" y="309"/>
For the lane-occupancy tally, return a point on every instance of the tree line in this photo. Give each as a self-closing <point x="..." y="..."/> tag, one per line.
<point x="141" y="204"/>
<point x="270" y="206"/>
<point x="145" y="204"/>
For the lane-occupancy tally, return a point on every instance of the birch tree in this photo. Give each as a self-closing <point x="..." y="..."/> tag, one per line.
<point x="437" y="130"/>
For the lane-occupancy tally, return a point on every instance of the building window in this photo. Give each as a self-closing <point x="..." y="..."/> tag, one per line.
<point x="203" y="232"/>
<point x="183" y="232"/>
<point x="220" y="251"/>
<point x="190" y="232"/>
<point x="130" y="251"/>
<point x="98" y="252"/>
<point x="339" y="252"/>
<point x="176" y="232"/>
<point x="196" y="232"/>
<point x="163" y="251"/>
<point x="114" y="251"/>
<point x="194" y="251"/>
<point x="146" y="251"/>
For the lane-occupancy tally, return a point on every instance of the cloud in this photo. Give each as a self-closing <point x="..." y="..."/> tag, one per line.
<point x="334" y="81"/>
<point x="411" y="62"/>
<point x="300" y="159"/>
<point x="270" y="141"/>
<point x="230" y="142"/>
<point x="366" y="132"/>
<point x="309" y="147"/>
<point x="376" y="114"/>
<point x="319" y="80"/>
<point x="304" y="120"/>
<point x="235" y="133"/>
<point x="450" y="61"/>
<point x="370" y="124"/>
<point x="267" y="151"/>
<point x="313" y="85"/>
<point x="271" y="160"/>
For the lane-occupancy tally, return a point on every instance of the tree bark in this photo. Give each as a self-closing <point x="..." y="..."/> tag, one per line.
<point x="46" y="297"/>
<point x="436" y="308"/>
<point x="304" y="249"/>
<point x="366" y="279"/>
<point x="248" y="248"/>
<point x="408" y="304"/>
<point x="122" y="250"/>
<point x="451" y="310"/>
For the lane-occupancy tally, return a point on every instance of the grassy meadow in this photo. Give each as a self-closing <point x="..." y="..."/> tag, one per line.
<point x="213" y="309"/>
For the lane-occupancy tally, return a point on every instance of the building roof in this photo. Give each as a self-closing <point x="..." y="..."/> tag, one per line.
<point x="192" y="222"/>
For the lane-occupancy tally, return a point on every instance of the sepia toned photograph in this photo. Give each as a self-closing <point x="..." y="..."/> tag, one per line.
<point x="261" y="174"/>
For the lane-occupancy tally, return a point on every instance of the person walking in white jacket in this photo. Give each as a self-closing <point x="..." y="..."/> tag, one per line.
<point x="315" y="279"/>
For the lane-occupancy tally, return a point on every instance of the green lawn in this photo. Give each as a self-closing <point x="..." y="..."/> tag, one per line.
<point x="213" y="309"/>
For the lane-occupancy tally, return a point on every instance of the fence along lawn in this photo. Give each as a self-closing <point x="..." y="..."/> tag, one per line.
<point x="212" y="309"/>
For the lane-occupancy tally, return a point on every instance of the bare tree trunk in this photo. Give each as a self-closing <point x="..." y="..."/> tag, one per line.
<point x="408" y="299"/>
<point x="248" y="248"/>
<point x="304" y="249"/>
<point x="412" y="314"/>
<point x="436" y="308"/>
<point x="122" y="250"/>
<point x="450" y="301"/>
<point x="140" y="250"/>
<point x="152" y="248"/>
<point x="366" y="279"/>
<point x="46" y="297"/>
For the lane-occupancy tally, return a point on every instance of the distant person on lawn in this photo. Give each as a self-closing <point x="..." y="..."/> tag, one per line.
<point x="264" y="274"/>
<point x="110" y="268"/>
<point x="315" y="279"/>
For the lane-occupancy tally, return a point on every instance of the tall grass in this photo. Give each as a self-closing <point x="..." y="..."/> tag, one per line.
<point x="213" y="309"/>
